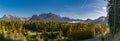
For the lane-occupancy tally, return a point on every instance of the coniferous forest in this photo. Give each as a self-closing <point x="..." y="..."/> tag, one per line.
<point x="113" y="19"/>
<point x="75" y="20"/>
<point x="49" y="31"/>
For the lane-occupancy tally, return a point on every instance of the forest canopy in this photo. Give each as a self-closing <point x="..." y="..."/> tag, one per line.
<point x="50" y="30"/>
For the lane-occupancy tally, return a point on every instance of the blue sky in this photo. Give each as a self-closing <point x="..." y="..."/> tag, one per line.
<point x="77" y="9"/>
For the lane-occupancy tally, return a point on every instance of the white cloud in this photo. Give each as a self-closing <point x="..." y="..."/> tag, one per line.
<point x="104" y="8"/>
<point x="92" y="11"/>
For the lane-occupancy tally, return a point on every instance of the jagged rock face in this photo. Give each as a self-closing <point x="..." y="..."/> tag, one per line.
<point x="47" y="17"/>
<point x="13" y="18"/>
<point x="52" y="17"/>
<point x="36" y="17"/>
<point x="56" y="18"/>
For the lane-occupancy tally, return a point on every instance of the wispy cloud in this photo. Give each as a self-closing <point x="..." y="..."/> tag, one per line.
<point x="92" y="11"/>
<point x="81" y="9"/>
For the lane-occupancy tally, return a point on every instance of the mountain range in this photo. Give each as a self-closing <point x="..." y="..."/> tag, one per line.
<point x="14" y="18"/>
<point x="55" y="18"/>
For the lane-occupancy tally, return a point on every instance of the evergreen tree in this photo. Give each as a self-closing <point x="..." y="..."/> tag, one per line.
<point x="114" y="15"/>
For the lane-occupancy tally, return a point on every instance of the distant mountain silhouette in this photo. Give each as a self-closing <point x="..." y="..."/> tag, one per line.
<point x="52" y="17"/>
<point x="101" y="20"/>
<point x="88" y="21"/>
<point x="55" y="18"/>
<point x="47" y="17"/>
<point x="14" y="18"/>
<point x="36" y="17"/>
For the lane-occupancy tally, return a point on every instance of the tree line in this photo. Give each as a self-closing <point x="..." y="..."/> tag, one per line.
<point x="53" y="30"/>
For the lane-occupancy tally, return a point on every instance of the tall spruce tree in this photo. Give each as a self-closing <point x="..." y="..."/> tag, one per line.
<point x="114" y="15"/>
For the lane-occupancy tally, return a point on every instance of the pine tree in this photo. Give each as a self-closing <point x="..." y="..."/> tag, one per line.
<point x="113" y="15"/>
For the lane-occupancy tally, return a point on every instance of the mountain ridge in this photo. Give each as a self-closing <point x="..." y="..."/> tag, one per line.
<point x="54" y="17"/>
